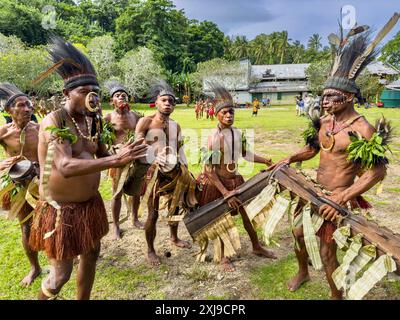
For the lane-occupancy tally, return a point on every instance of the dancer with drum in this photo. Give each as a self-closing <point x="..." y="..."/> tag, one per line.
<point x="20" y="142"/>
<point x="122" y="123"/>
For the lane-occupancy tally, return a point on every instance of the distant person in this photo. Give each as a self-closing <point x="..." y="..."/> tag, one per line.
<point x="302" y="107"/>
<point x="268" y="102"/>
<point x="298" y="105"/>
<point x="308" y="101"/>
<point x="264" y="102"/>
<point x="315" y="110"/>
<point x="256" y="106"/>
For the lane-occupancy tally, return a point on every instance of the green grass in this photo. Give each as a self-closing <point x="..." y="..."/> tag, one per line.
<point x="119" y="279"/>
<point x="270" y="282"/>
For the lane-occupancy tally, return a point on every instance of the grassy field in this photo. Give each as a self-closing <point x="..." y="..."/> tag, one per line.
<point x="277" y="134"/>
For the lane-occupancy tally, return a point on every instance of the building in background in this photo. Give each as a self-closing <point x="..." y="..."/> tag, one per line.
<point x="281" y="83"/>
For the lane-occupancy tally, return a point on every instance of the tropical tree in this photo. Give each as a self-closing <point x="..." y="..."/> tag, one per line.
<point x="101" y="53"/>
<point x="391" y="51"/>
<point x="240" y="47"/>
<point x="297" y="52"/>
<point x="314" y="42"/>
<point x="283" y="44"/>
<point x="139" y="70"/>
<point x="317" y="73"/>
<point x="259" y="49"/>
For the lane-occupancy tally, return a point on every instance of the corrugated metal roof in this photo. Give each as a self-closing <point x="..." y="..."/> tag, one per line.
<point x="281" y="71"/>
<point x="394" y="85"/>
<point x="274" y="86"/>
<point x="379" y="68"/>
<point x="297" y="71"/>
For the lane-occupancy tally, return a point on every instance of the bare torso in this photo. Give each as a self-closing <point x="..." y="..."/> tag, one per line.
<point x="10" y="139"/>
<point x="222" y="141"/>
<point x="72" y="189"/>
<point x="157" y="136"/>
<point x="122" y="124"/>
<point x="335" y="172"/>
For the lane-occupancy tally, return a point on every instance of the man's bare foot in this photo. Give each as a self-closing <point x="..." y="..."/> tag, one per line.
<point x="31" y="276"/>
<point x="227" y="265"/>
<point x="181" y="243"/>
<point x="338" y="296"/>
<point x="262" y="252"/>
<point x="117" y="233"/>
<point x="153" y="259"/>
<point x="138" y="224"/>
<point x="297" y="281"/>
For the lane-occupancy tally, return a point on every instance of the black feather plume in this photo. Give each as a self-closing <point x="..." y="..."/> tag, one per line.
<point x="384" y="129"/>
<point x="9" y="91"/>
<point x="74" y="62"/>
<point x="160" y="87"/>
<point x="222" y="97"/>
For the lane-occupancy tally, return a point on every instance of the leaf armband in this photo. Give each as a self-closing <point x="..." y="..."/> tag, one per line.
<point x="62" y="134"/>
<point x="367" y="153"/>
<point x="371" y="152"/>
<point x="310" y="135"/>
<point x="107" y="136"/>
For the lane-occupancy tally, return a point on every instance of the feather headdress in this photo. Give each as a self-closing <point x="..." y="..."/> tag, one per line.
<point x="8" y="94"/>
<point x="222" y="97"/>
<point x="70" y="63"/>
<point x="161" y="88"/>
<point x="113" y="86"/>
<point x="351" y="54"/>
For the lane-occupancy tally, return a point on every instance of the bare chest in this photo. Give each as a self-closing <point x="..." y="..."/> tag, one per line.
<point x="84" y="149"/>
<point x="334" y="143"/>
<point x="123" y="123"/>
<point x="162" y="135"/>
<point x="25" y="143"/>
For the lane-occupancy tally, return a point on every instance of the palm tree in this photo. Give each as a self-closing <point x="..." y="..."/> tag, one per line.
<point x="259" y="49"/>
<point x="297" y="52"/>
<point x="314" y="43"/>
<point x="272" y="47"/>
<point x="240" y="47"/>
<point x="283" y="44"/>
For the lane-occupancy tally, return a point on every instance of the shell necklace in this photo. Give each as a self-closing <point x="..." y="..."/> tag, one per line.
<point x="88" y="137"/>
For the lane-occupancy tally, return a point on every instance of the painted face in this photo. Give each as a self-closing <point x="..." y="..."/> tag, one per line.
<point x="165" y="104"/>
<point x="335" y="101"/>
<point x="120" y="100"/>
<point x="21" y="110"/>
<point x="226" y="116"/>
<point x="78" y="96"/>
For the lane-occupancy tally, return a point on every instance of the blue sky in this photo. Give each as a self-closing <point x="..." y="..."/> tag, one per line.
<point x="300" y="18"/>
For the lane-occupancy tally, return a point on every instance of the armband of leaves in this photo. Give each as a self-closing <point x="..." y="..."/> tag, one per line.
<point x="62" y="133"/>
<point x="130" y="136"/>
<point x="5" y="181"/>
<point x="371" y="152"/>
<point x="368" y="153"/>
<point x="107" y="136"/>
<point x="310" y="135"/>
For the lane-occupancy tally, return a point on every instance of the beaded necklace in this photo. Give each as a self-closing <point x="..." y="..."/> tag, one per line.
<point x="88" y="137"/>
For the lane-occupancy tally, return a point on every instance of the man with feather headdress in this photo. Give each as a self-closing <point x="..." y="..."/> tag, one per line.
<point x="19" y="140"/>
<point x="168" y="175"/>
<point x="120" y="125"/>
<point x="349" y="146"/>
<point x="70" y="218"/>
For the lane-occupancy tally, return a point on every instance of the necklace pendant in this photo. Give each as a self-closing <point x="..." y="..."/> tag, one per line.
<point x="228" y="167"/>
